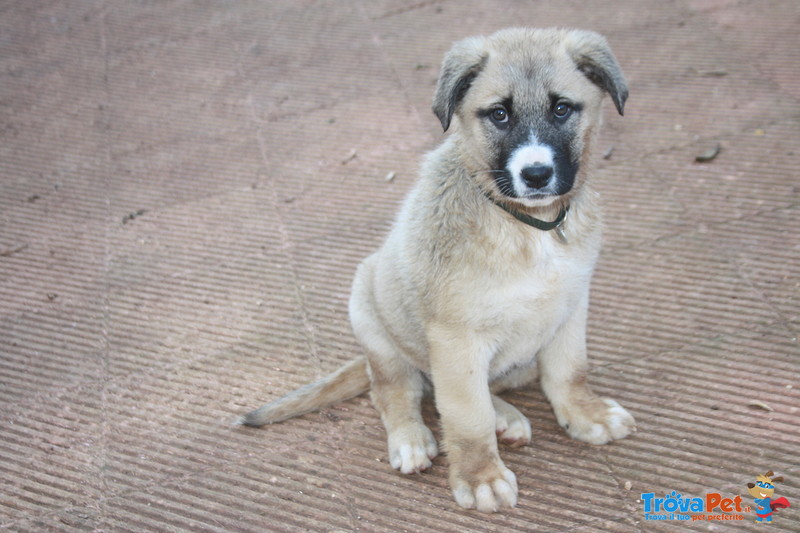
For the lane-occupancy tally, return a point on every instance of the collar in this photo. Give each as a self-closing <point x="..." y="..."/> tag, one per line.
<point x="535" y="222"/>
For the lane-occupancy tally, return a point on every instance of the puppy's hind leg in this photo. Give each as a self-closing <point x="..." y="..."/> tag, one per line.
<point x="396" y="386"/>
<point x="512" y="427"/>
<point x="397" y="391"/>
<point x="517" y="378"/>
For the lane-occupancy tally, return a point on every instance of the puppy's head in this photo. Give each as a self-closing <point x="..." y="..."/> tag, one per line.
<point x="526" y="105"/>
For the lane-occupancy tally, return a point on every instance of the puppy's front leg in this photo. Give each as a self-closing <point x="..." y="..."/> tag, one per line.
<point x="563" y="366"/>
<point x="459" y="369"/>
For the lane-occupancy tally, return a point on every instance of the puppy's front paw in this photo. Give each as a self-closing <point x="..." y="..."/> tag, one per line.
<point x="488" y="490"/>
<point x="412" y="448"/>
<point x="597" y="422"/>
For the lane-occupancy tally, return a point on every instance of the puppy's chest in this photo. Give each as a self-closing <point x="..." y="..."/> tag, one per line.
<point x="531" y="294"/>
<point x="519" y="304"/>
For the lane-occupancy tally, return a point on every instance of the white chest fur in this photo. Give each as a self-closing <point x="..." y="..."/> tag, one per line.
<point x="517" y="307"/>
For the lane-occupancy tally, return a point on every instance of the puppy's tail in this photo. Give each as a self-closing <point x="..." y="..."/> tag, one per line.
<point x="347" y="382"/>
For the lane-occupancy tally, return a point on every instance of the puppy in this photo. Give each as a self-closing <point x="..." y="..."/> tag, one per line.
<point x="483" y="282"/>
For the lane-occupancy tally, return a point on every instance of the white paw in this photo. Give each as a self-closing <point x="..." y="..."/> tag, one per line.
<point x="513" y="428"/>
<point x="619" y="423"/>
<point x="494" y="491"/>
<point x="604" y="422"/>
<point x="412" y="449"/>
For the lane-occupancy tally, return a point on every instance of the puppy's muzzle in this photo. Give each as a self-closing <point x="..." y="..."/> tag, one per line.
<point x="532" y="170"/>
<point x="537" y="176"/>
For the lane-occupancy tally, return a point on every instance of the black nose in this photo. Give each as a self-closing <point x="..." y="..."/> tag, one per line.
<point x="537" y="176"/>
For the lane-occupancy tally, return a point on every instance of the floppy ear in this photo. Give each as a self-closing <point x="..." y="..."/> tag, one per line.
<point x="777" y="479"/>
<point x="593" y="56"/>
<point x="460" y="66"/>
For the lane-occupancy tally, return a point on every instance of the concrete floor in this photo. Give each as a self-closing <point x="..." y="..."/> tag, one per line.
<point x="187" y="187"/>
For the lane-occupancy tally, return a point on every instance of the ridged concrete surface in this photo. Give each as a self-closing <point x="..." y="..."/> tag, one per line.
<point x="187" y="187"/>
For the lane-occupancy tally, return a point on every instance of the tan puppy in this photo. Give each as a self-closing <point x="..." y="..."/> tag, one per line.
<point x="483" y="282"/>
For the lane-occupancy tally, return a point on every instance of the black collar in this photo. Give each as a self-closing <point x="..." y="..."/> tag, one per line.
<point x="534" y="222"/>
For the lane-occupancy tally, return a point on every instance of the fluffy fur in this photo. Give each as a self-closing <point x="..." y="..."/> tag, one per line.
<point x="466" y="298"/>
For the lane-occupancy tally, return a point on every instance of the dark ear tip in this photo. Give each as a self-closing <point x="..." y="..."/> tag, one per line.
<point x="620" y="103"/>
<point x="443" y="119"/>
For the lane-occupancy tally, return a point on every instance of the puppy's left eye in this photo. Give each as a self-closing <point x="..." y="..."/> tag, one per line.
<point x="499" y="115"/>
<point x="562" y="109"/>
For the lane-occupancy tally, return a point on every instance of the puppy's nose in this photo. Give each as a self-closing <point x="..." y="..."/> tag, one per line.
<point x="537" y="176"/>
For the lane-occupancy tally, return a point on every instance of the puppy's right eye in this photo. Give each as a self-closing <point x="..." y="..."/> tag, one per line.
<point x="499" y="116"/>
